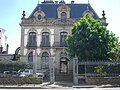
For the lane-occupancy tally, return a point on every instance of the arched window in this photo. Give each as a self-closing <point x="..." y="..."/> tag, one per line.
<point x="30" y="60"/>
<point x="32" y="39"/>
<point x="63" y="39"/>
<point x="45" y="39"/>
<point x="45" y="60"/>
<point x="63" y="17"/>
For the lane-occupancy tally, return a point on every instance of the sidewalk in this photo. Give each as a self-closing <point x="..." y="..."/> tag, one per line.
<point x="45" y="85"/>
<point x="56" y="85"/>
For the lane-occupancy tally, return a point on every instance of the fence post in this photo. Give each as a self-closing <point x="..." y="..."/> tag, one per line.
<point x="52" y="71"/>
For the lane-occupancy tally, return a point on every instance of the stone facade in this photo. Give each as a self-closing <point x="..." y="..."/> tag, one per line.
<point x="45" y="30"/>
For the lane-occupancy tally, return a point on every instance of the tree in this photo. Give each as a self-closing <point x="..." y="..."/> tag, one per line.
<point x="90" y="40"/>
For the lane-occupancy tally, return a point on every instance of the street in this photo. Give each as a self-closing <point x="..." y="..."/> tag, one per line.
<point x="97" y="88"/>
<point x="116" y="88"/>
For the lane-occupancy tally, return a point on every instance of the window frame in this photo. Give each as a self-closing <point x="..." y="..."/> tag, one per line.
<point x="63" y="36"/>
<point x="45" y="60"/>
<point x="63" y="17"/>
<point x="32" y="39"/>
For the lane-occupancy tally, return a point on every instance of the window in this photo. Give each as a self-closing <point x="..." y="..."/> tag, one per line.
<point x="30" y="60"/>
<point x="63" y="39"/>
<point x="32" y="39"/>
<point x="45" y="39"/>
<point x="63" y="17"/>
<point x="45" y="60"/>
<point x="39" y="17"/>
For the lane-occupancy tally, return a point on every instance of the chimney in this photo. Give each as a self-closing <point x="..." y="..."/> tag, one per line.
<point x="72" y="2"/>
<point x="1" y="49"/>
<point x="56" y="2"/>
<point x="7" y="49"/>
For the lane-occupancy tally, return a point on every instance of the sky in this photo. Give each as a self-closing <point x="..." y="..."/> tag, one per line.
<point x="11" y="13"/>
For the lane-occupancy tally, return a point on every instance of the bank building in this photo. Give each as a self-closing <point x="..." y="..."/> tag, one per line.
<point x="45" y="31"/>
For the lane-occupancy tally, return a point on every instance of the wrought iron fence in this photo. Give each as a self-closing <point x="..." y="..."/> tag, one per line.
<point x="99" y="69"/>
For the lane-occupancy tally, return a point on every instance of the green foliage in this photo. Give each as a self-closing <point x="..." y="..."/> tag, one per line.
<point x="99" y="70"/>
<point x="114" y="54"/>
<point x="8" y="64"/>
<point x="90" y="40"/>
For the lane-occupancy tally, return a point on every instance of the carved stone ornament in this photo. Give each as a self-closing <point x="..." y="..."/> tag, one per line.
<point x="39" y="15"/>
<point x="88" y="12"/>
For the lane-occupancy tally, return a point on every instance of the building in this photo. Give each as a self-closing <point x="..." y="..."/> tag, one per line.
<point x="45" y="31"/>
<point x="3" y="42"/>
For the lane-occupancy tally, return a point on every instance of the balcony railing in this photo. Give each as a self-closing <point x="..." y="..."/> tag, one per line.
<point x="59" y="44"/>
<point x="31" y="45"/>
<point x="45" y="44"/>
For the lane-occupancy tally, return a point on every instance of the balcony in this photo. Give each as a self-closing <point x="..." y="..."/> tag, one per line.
<point x="59" y="44"/>
<point x="31" y="45"/>
<point x="45" y="44"/>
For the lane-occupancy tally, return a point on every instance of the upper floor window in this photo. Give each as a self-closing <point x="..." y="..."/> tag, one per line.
<point x="45" y="39"/>
<point x="63" y="38"/>
<point x="39" y="17"/>
<point x="32" y="39"/>
<point x="63" y="17"/>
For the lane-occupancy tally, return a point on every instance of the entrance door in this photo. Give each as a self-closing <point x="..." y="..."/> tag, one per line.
<point x="63" y="65"/>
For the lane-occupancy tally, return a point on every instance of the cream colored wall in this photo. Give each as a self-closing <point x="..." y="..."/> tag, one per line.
<point x="54" y="37"/>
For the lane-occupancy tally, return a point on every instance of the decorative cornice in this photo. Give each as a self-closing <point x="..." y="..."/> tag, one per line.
<point x="48" y="22"/>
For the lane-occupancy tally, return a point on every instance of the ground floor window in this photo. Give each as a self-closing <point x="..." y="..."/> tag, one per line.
<point x="45" y="60"/>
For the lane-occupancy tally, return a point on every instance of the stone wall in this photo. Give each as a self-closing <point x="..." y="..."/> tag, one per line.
<point x="103" y="80"/>
<point x="20" y="80"/>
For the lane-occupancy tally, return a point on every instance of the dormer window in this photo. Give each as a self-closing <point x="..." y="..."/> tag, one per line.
<point x="63" y="12"/>
<point x="63" y="17"/>
<point x="39" y="17"/>
<point x="88" y="12"/>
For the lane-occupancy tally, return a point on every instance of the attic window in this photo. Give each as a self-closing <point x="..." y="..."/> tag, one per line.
<point x="63" y="17"/>
<point x="39" y="17"/>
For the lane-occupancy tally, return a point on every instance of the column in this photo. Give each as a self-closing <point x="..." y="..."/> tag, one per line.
<point x="75" y="70"/>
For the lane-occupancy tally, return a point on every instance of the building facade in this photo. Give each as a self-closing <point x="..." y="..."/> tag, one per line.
<point x="45" y="31"/>
<point x="3" y="42"/>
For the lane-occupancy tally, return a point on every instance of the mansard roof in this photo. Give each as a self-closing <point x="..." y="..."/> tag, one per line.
<point x="76" y="10"/>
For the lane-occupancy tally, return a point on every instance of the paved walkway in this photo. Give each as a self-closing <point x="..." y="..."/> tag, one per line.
<point x="56" y="85"/>
<point x="45" y="85"/>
